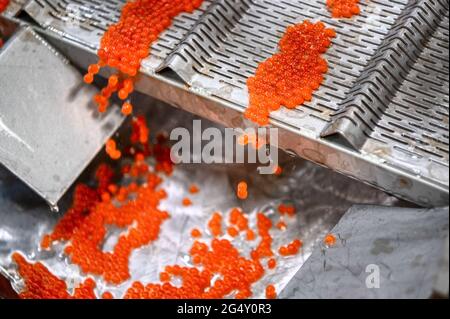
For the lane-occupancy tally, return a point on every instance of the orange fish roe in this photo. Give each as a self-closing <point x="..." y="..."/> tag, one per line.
<point x="85" y="198"/>
<point x="238" y="218"/>
<point x="3" y="5"/>
<point x="107" y="295"/>
<point x="193" y="189"/>
<point x="271" y="293"/>
<point x="164" y="277"/>
<point x="242" y="190"/>
<point x="127" y="108"/>
<point x="250" y="235"/>
<point x="281" y="225"/>
<point x="343" y="8"/>
<point x="143" y="220"/>
<point x="278" y="171"/>
<point x="237" y="274"/>
<point x="187" y="202"/>
<point x="290" y="77"/>
<point x="112" y="151"/>
<point x="291" y="249"/>
<point x="272" y="263"/>
<point x="162" y="154"/>
<point x="330" y="240"/>
<point x="264" y="248"/>
<point x="215" y="225"/>
<point x="232" y="231"/>
<point x="140" y="131"/>
<point x="287" y="210"/>
<point x="40" y="283"/>
<point x="125" y="44"/>
<point x="195" y="233"/>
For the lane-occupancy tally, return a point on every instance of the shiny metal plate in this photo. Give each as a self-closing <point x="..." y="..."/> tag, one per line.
<point x="49" y="128"/>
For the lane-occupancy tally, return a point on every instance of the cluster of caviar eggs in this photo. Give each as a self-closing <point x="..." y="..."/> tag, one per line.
<point x="3" y="5"/>
<point x="126" y="43"/>
<point x="290" y="77"/>
<point x="291" y="249"/>
<point x="219" y="269"/>
<point x="343" y="8"/>
<point x="40" y="283"/>
<point x="242" y="190"/>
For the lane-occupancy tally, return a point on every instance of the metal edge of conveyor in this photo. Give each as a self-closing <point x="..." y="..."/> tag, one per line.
<point x="367" y="168"/>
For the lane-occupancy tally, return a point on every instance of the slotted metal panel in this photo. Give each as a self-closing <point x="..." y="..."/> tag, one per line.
<point x="385" y="95"/>
<point x="417" y="118"/>
<point x="85" y="21"/>
<point x="236" y="35"/>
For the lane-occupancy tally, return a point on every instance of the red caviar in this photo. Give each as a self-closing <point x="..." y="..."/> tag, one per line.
<point x="272" y="263"/>
<point x="330" y="240"/>
<point x="238" y="219"/>
<point x="281" y="225"/>
<point x="193" y="189"/>
<point x="278" y="171"/>
<point x="195" y="233"/>
<point x="126" y="43"/>
<point x="236" y="274"/>
<point x="242" y="190"/>
<point x="40" y="283"/>
<point x="215" y="224"/>
<point x="271" y="293"/>
<point x="343" y="8"/>
<point x="164" y="277"/>
<point x="3" y="5"/>
<point x="291" y="249"/>
<point x="233" y="232"/>
<point x="112" y="151"/>
<point x="290" y="77"/>
<point x="286" y="210"/>
<point x="127" y="108"/>
<point x="250" y="235"/>
<point x="84" y="199"/>
<point x="264" y="248"/>
<point x="187" y="202"/>
<point x="107" y="295"/>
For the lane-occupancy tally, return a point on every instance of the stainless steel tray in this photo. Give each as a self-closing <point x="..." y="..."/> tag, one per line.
<point x="380" y="117"/>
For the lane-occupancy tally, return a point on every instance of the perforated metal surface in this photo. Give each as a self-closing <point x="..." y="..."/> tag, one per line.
<point x="85" y="21"/>
<point x="417" y="118"/>
<point x="386" y="92"/>
<point x="367" y="102"/>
